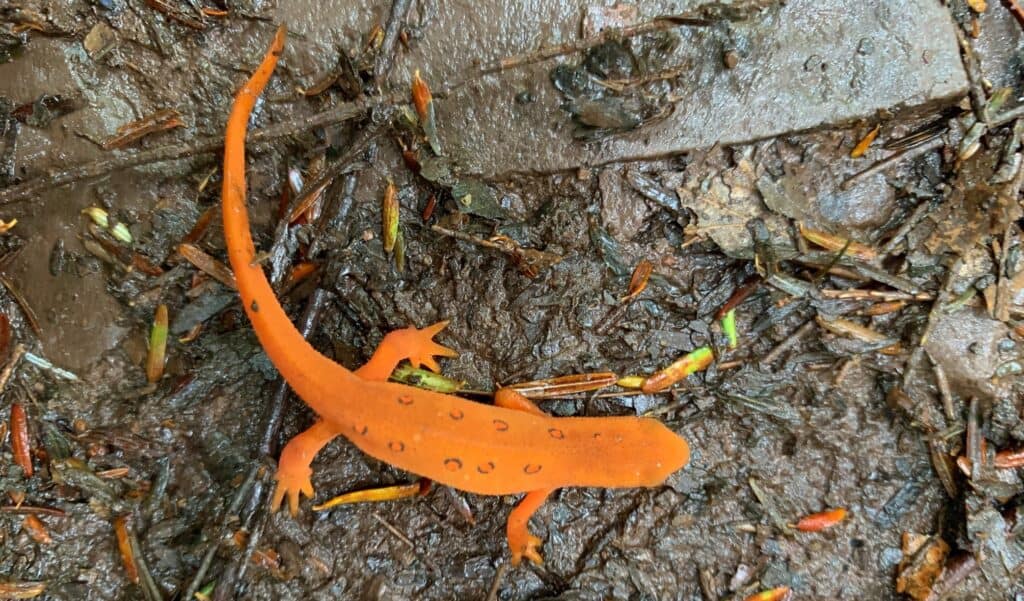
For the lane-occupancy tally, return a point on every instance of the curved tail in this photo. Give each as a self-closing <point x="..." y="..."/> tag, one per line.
<point x="299" y="363"/>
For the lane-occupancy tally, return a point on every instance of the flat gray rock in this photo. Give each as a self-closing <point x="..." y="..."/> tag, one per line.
<point x="807" y="64"/>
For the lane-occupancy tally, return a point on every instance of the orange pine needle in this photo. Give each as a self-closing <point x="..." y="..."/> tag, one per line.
<point x="207" y="264"/>
<point x="821" y="520"/>
<point x="125" y="547"/>
<point x="19" y="439"/>
<point x="375" y="495"/>
<point x="638" y="283"/>
<point x="36" y="529"/>
<point x="862" y="146"/>
<point x="776" y="594"/>
<point x="421" y="97"/>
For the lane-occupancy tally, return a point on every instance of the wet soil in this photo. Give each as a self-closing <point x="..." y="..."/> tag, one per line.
<point x="776" y="432"/>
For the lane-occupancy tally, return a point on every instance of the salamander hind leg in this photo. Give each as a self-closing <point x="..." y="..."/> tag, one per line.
<point x="510" y="399"/>
<point x="520" y="541"/>
<point x="293" y="469"/>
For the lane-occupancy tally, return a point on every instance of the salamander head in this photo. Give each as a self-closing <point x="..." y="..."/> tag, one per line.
<point x="670" y="453"/>
<point x="634" y="452"/>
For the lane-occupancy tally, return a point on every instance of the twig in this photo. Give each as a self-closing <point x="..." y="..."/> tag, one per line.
<point x="5" y="375"/>
<point x="974" y="76"/>
<point x="499" y="575"/>
<point x="659" y="23"/>
<point x="944" y="390"/>
<point x="386" y="54"/>
<point x="30" y="315"/>
<point x="881" y="295"/>
<point x="904" y="155"/>
<point x="788" y="342"/>
<point x="1015" y="9"/>
<point x="209" y="144"/>
<point x="920" y="212"/>
<point x="398" y="533"/>
<point x="149" y="587"/>
<point x="272" y="417"/>
<point x="30" y="510"/>
<point x="229" y="513"/>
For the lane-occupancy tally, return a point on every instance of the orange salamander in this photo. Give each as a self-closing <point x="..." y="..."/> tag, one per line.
<point x="507" y="448"/>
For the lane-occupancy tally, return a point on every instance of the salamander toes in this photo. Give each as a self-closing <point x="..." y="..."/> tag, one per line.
<point x="530" y="549"/>
<point x="293" y="486"/>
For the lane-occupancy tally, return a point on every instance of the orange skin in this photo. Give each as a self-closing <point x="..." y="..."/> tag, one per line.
<point x="510" y="447"/>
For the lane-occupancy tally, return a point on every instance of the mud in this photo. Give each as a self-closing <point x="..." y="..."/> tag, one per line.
<point x="815" y="426"/>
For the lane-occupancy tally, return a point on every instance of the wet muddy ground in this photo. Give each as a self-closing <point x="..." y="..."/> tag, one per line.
<point x="879" y="346"/>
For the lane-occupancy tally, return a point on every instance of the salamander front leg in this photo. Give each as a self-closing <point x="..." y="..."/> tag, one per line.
<point x="520" y="541"/>
<point x="415" y="345"/>
<point x="293" y="471"/>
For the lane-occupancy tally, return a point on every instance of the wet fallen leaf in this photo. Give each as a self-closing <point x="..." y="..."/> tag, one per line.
<point x="923" y="559"/>
<point x="977" y="6"/>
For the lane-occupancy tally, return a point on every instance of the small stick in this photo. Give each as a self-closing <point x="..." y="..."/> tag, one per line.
<point x="149" y="587"/>
<point x="386" y="54"/>
<point x="398" y="533"/>
<point x="229" y="513"/>
<point x="788" y="342"/>
<point x="944" y="390"/>
<point x="499" y="575"/>
<point x="30" y="315"/>
<point x="209" y="144"/>
<point x="659" y="23"/>
<point x="903" y="155"/>
<point x="881" y="295"/>
<point x="910" y="223"/>
<point x="29" y="510"/>
<point x="5" y="375"/>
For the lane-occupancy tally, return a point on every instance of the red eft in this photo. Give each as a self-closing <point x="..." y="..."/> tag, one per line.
<point x="507" y="448"/>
